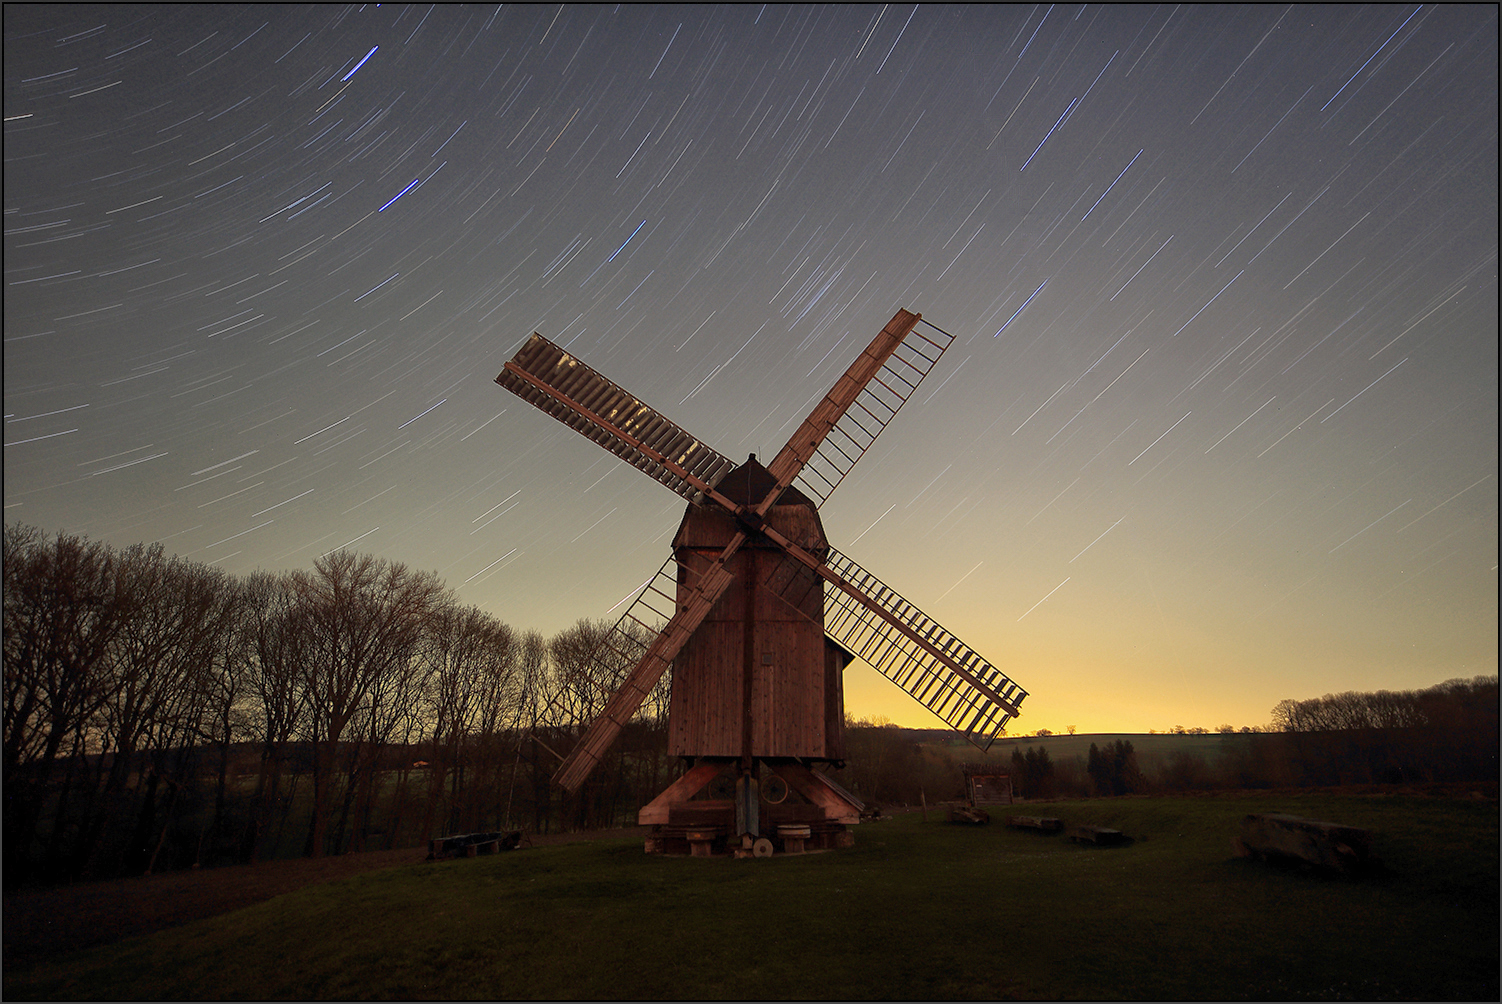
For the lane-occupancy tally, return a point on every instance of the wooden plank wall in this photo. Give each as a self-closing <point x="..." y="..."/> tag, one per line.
<point x="794" y="695"/>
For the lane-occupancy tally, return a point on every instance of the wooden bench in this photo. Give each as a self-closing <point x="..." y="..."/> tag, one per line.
<point x="1331" y="846"/>
<point x="1044" y="824"/>
<point x="471" y="844"/>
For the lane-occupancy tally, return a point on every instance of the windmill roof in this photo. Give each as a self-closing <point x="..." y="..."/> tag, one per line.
<point x="749" y="483"/>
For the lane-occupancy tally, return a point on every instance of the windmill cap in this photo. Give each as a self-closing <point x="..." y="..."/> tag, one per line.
<point x="749" y="483"/>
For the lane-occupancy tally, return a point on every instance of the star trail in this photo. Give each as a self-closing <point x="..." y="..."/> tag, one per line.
<point x="1219" y="427"/>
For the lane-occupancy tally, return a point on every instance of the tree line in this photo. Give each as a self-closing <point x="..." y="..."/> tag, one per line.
<point x="160" y="713"/>
<point x="1445" y="734"/>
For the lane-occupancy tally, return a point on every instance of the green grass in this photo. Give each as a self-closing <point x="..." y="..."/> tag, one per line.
<point x="916" y="910"/>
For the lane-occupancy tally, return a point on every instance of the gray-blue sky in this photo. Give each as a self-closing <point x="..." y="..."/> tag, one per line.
<point x="1218" y="427"/>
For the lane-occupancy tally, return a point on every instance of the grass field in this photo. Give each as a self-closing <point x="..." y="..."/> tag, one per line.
<point x="916" y="910"/>
<point x="1150" y="748"/>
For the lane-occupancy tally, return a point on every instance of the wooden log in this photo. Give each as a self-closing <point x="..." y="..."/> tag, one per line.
<point x="959" y="812"/>
<point x="1332" y="846"/>
<point x="1100" y="835"/>
<point x="1046" y="824"/>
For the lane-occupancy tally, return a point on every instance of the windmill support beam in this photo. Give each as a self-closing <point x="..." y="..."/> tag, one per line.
<point x="686" y="787"/>
<point x="838" y="804"/>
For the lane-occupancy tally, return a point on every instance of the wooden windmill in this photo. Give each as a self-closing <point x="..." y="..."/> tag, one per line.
<point x="761" y="614"/>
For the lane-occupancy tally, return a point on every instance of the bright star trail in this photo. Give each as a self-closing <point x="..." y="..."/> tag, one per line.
<point x="1226" y="355"/>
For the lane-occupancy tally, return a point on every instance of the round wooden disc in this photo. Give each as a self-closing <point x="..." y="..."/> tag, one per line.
<point x="774" y="789"/>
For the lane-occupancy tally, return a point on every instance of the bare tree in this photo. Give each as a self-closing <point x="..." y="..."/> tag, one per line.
<point x="531" y="721"/>
<point x="62" y="611"/>
<point x="159" y="667"/>
<point x="226" y="708"/>
<point x="467" y="661"/>
<point x="365" y="618"/>
<point x="275" y="639"/>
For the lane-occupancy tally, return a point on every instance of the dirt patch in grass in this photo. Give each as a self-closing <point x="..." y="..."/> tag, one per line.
<point x="42" y="923"/>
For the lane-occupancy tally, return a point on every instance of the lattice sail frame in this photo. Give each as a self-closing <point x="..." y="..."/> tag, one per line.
<point x="874" y="407"/>
<point x="871" y="621"/>
<point x="972" y="696"/>
<point x="561" y="385"/>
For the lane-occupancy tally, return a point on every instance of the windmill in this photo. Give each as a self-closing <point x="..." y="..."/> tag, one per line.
<point x="756" y="614"/>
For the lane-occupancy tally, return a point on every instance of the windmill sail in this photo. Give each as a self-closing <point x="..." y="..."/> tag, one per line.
<point x="912" y="650"/>
<point x="847" y="421"/>
<point x="654" y="661"/>
<point x="556" y="382"/>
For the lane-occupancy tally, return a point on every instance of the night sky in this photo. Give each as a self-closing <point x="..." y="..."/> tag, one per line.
<point x="1218" y="428"/>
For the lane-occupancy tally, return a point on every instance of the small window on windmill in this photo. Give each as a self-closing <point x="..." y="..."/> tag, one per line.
<point x="766" y="656"/>
<point x="987" y="784"/>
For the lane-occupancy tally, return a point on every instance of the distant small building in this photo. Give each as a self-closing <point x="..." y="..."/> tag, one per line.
<point x="987" y="784"/>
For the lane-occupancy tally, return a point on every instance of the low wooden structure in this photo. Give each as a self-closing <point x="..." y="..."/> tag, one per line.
<point x="470" y="844"/>
<point x="987" y="784"/>
<point x="1043" y="824"/>
<point x="1331" y="846"/>
<point x="1101" y="835"/>
<point x="795" y="809"/>
<point x="964" y="812"/>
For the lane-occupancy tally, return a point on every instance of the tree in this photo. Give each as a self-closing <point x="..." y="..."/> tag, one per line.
<point x="365" y="618"/>
<point x="1033" y="772"/>
<point x="1113" y="769"/>
<point x="63" y="609"/>
<point x="466" y="661"/>
<point x="157" y="690"/>
<point x="275" y="641"/>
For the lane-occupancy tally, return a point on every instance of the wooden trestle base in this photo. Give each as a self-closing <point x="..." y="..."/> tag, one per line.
<point x="716" y="841"/>
<point x="810" y="812"/>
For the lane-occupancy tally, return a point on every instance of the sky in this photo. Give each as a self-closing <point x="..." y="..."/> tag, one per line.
<point x="1218" y="427"/>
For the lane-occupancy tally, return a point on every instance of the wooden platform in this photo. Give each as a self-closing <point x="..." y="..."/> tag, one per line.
<point x="715" y="841"/>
